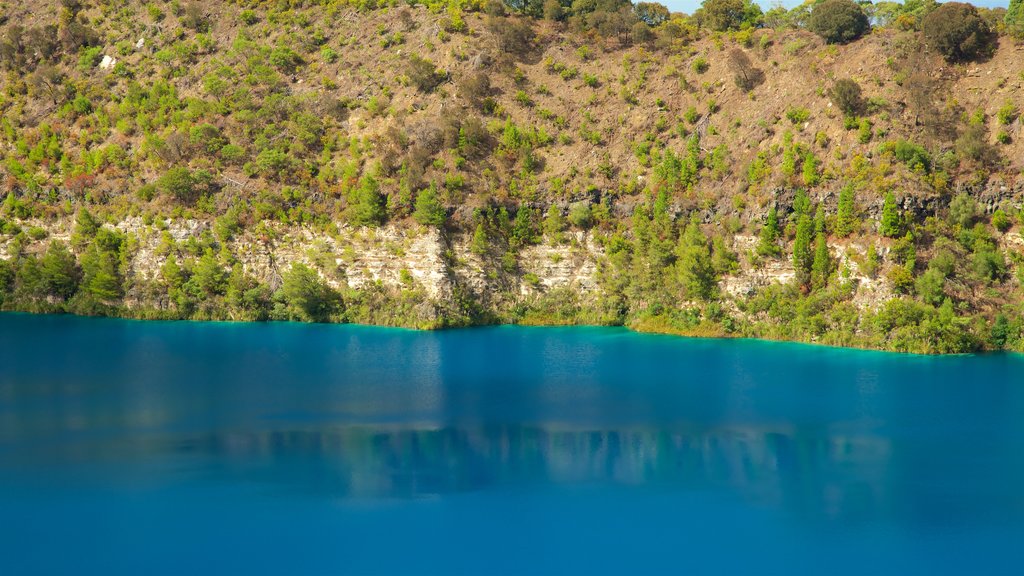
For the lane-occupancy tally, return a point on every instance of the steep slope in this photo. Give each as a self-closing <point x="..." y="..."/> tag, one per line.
<point x="431" y="168"/>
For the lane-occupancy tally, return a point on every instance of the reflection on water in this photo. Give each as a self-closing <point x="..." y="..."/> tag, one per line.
<point x="358" y="414"/>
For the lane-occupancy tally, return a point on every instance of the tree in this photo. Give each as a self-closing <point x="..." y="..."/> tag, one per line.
<point x="846" y="217"/>
<point x="769" y="242"/>
<point x="480" y="243"/>
<point x="846" y="95"/>
<point x="210" y="276"/>
<point x="553" y="10"/>
<point x="178" y="183"/>
<point x="746" y="76"/>
<point x="962" y="210"/>
<point x="822" y="267"/>
<point x="554" y="225"/>
<point x="369" y="206"/>
<point x="1015" y="18"/>
<point x="694" y="264"/>
<point x="423" y="74"/>
<point x="307" y="296"/>
<point x="524" y="230"/>
<point x="724" y="15"/>
<point x="429" y="211"/>
<point x="60" y="272"/>
<point x="838" y="21"/>
<point x="651" y="13"/>
<point x="890" y="224"/>
<point x="803" y="257"/>
<point x="958" y="32"/>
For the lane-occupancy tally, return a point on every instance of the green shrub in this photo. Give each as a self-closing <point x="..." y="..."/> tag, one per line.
<point x="846" y="95"/>
<point x="798" y="115"/>
<point x="838" y="21"/>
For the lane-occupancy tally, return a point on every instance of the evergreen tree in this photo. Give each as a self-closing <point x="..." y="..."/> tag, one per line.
<point x="429" y="211"/>
<point x="368" y="209"/>
<point x="803" y="257"/>
<point x="846" y="219"/>
<point x="890" y="224"/>
<point x="524" y="230"/>
<point x="694" y="264"/>
<point x="554" y="225"/>
<point x="210" y="276"/>
<point x="480" y="242"/>
<point x="769" y="243"/>
<point x="60" y="273"/>
<point x="822" y="266"/>
<point x="308" y="297"/>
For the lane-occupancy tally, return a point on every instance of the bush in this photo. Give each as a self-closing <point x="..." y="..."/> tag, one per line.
<point x="423" y="74"/>
<point x="838" y="21"/>
<point x="846" y="95"/>
<point x="958" y="32"/>
<point x="973" y="145"/>
<point x="1000" y="220"/>
<point x="285" y="59"/>
<point x="178" y="183"/>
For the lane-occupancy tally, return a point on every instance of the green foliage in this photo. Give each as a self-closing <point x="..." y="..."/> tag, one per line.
<point x="724" y="15"/>
<point x="694" y="264"/>
<point x="429" y="210"/>
<point x="423" y="74"/>
<point x="1014" y="18"/>
<point x="178" y="183"/>
<point x="963" y="209"/>
<point x="369" y="206"/>
<point x="891" y="222"/>
<point x="798" y="115"/>
<point x="958" y="32"/>
<point x="838" y="21"/>
<point x="59" y="270"/>
<point x="803" y="256"/>
<point x="554" y="225"/>
<point x="913" y="155"/>
<point x="1001" y="221"/>
<point x="210" y="276"/>
<point x="846" y="95"/>
<point x="846" y="216"/>
<point x="285" y="59"/>
<point x="307" y="297"/>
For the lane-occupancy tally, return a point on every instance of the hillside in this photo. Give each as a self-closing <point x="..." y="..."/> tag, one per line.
<point x="445" y="166"/>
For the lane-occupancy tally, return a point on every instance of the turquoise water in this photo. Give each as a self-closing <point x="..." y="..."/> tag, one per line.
<point x="190" y="448"/>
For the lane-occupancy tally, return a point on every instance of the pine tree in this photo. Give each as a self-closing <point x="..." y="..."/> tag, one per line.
<point x="429" y="211"/>
<point x="890" y="224"/>
<point x="822" y="266"/>
<point x="846" y="219"/>
<point x="694" y="264"/>
<point x="369" y="205"/>
<point x="554" y="225"/>
<point x="802" y="255"/>
<point x="480" y="242"/>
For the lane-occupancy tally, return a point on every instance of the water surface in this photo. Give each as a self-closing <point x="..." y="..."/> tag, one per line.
<point x="192" y="448"/>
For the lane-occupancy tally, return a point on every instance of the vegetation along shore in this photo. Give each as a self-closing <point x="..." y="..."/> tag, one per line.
<point x="842" y="173"/>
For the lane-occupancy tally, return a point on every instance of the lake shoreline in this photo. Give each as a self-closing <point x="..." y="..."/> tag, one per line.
<point x="637" y="327"/>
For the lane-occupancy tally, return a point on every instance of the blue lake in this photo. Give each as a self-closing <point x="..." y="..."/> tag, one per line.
<point x="192" y="448"/>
